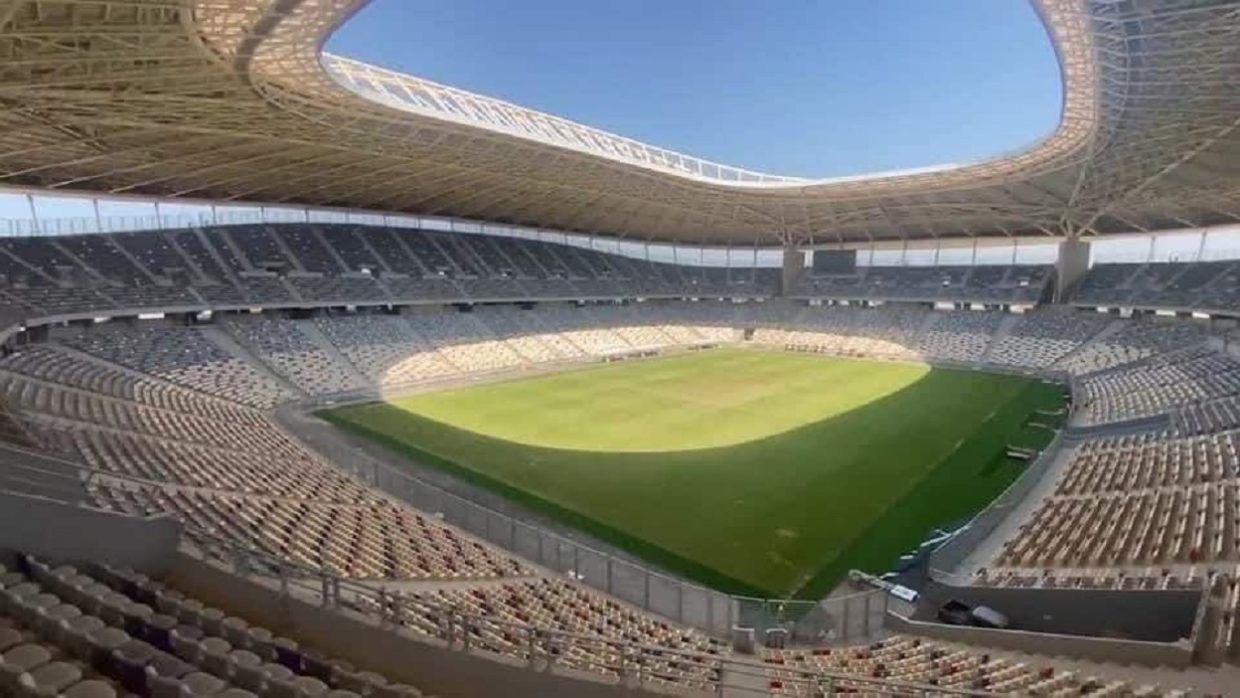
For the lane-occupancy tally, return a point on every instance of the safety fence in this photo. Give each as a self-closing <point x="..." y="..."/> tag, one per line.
<point x="853" y="617"/>
<point x="655" y="668"/>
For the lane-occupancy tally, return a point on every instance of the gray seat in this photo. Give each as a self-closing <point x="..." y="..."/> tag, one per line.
<point x="169" y="601"/>
<point x="185" y="642"/>
<point x="77" y="634"/>
<point x="51" y="621"/>
<point x="163" y="676"/>
<point x="112" y="607"/>
<point x="10" y="596"/>
<point x="211" y="621"/>
<point x="128" y="663"/>
<point x="73" y="589"/>
<point x="249" y="676"/>
<point x="236" y="631"/>
<point x="310" y="686"/>
<point x="30" y="607"/>
<point x="188" y="611"/>
<point x="90" y="689"/>
<point x="258" y="641"/>
<point x="95" y="599"/>
<point x="200" y="684"/>
<point x="158" y="630"/>
<point x="49" y="679"/>
<point x="297" y="687"/>
<point x="64" y="573"/>
<point x="10" y="637"/>
<point x="396" y="690"/>
<point x="213" y="655"/>
<point x="362" y="682"/>
<point x="102" y="642"/>
<point x="39" y="571"/>
<point x="136" y="615"/>
<point x="19" y="660"/>
<point x="257" y="678"/>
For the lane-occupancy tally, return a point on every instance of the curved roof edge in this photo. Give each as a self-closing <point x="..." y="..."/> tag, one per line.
<point x="291" y="55"/>
<point x="229" y="100"/>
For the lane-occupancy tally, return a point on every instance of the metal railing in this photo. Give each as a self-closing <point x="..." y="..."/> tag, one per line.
<point x="856" y="616"/>
<point x="545" y="649"/>
<point x="853" y="617"/>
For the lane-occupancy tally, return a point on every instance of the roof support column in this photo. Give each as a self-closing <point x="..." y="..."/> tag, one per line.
<point x="794" y="266"/>
<point x="1070" y="266"/>
<point x="34" y="214"/>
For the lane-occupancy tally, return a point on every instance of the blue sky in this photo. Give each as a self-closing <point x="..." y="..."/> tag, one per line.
<point x="800" y="87"/>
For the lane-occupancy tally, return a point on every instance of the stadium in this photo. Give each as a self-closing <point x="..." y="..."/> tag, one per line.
<point x="437" y="395"/>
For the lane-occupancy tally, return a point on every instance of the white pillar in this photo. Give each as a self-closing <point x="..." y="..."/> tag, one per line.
<point x="34" y="214"/>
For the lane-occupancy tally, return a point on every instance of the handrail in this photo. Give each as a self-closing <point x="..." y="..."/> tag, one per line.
<point x="544" y="647"/>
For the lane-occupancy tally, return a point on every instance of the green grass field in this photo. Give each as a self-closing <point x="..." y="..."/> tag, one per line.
<point x="754" y="472"/>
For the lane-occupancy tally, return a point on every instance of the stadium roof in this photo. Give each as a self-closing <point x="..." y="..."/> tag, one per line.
<point x="235" y="100"/>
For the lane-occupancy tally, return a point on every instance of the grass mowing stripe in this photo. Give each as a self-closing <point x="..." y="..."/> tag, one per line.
<point x="642" y="548"/>
<point x="754" y="472"/>
<point x="947" y="494"/>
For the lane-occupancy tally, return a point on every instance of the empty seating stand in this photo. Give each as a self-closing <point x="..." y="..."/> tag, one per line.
<point x="93" y="631"/>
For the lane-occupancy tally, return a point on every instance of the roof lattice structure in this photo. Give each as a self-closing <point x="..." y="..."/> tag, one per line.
<point x="234" y="100"/>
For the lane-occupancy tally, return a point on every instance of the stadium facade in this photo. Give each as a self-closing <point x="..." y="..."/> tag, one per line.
<point x="148" y="376"/>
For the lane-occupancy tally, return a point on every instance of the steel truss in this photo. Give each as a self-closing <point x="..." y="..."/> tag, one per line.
<point x="233" y="100"/>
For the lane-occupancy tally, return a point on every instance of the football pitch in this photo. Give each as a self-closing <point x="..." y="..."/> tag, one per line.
<point x="755" y="472"/>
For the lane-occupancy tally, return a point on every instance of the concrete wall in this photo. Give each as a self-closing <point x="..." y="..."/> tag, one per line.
<point x="23" y="471"/>
<point x="428" y="664"/>
<point x="1146" y="615"/>
<point x="1100" y="649"/>
<point x="64" y="532"/>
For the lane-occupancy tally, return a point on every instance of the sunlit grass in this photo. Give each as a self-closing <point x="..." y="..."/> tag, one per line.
<point x="755" y="472"/>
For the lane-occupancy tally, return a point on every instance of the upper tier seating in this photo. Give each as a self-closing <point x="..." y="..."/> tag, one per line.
<point x="242" y="266"/>
<point x="1207" y="286"/>
<point x="1023" y="284"/>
